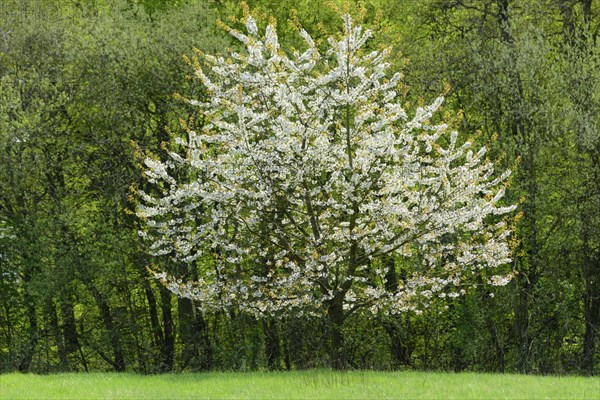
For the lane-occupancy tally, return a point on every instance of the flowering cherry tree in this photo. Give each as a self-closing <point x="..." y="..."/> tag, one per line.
<point x="308" y="175"/>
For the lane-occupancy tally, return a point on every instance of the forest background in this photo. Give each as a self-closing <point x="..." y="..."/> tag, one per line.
<point x="86" y="88"/>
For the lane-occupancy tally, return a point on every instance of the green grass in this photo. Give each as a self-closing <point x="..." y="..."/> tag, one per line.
<point x="316" y="384"/>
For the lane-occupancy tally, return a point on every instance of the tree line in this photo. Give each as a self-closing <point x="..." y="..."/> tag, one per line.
<point x="87" y="91"/>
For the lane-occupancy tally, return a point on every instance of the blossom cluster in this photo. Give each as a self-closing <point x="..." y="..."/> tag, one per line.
<point x="309" y="174"/>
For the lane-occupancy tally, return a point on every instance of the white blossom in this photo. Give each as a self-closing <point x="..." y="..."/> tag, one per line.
<point x="307" y="173"/>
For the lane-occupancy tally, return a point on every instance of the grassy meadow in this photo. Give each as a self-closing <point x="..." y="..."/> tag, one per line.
<point x="316" y="384"/>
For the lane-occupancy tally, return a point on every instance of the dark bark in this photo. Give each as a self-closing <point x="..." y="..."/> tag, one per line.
<point x="336" y="316"/>
<point x="157" y="333"/>
<point x="287" y="358"/>
<point x="118" y="361"/>
<point x="32" y="331"/>
<point x="68" y="325"/>
<point x="522" y="322"/>
<point x="190" y="357"/>
<point x="82" y="356"/>
<point x="9" y="330"/>
<point x="153" y="313"/>
<point x="32" y="340"/>
<point x="272" y="344"/>
<point x="528" y="273"/>
<point x="587" y="12"/>
<point x="503" y="20"/>
<point x="568" y="21"/>
<point x="58" y="337"/>
<point x="193" y="329"/>
<point x="168" y="343"/>
<point x="399" y="350"/>
<point x="500" y="359"/>
<point x="294" y="342"/>
<point x="205" y="345"/>
<point x="528" y="268"/>
<point x="391" y="277"/>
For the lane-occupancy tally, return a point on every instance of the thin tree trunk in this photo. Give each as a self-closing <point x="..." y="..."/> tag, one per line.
<point x="205" y="346"/>
<point x="9" y="332"/>
<point x="113" y="333"/>
<point x="566" y="9"/>
<point x="591" y="302"/>
<point x="272" y="345"/>
<point x="69" y="329"/>
<point x="58" y="338"/>
<point x="286" y="350"/>
<point x="399" y="351"/>
<point x="168" y="344"/>
<point x="32" y="331"/>
<point x="153" y="313"/>
<point x="528" y="272"/>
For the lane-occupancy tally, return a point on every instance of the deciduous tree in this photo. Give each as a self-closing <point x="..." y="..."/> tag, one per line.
<point x="307" y="174"/>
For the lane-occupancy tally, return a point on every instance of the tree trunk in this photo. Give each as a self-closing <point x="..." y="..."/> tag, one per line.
<point x="529" y="276"/>
<point x="58" y="338"/>
<point x="113" y="333"/>
<point x="272" y="345"/>
<point x="503" y="20"/>
<point x="336" y="316"/>
<point x="287" y="359"/>
<point x="9" y="332"/>
<point x="67" y="312"/>
<point x="168" y="344"/>
<point x="157" y="333"/>
<point x="587" y="12"/>
<point x="190" y="357"/>
<point x="399" y="350"/>
<point x="522" y="322"/>
<point x="591" y="301"/>
<point x="566" y="9"/>
<point x="31" y="343"/>
<point x="592" y="324"/>
<point x="204" y="344"/>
